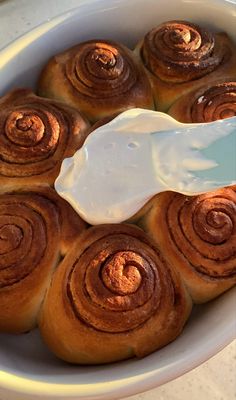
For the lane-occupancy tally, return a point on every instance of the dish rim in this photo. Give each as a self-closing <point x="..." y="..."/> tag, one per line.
<point x="125" y="386"/>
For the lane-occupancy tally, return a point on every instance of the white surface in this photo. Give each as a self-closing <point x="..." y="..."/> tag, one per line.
<point x="214" y="380"/>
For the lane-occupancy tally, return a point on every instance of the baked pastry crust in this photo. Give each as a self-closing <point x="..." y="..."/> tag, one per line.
<point x="36" y="134"/>
<point x="197" y="235"/>
<point x="180" y="56"/>
<point x="113" y="297"/>
<point x="36" y="228"/>
<point x="99" y="78"/>
<point x="206" y="104"/>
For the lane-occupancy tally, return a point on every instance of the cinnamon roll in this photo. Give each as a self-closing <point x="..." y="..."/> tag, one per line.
<point x="181" y="56"/>
<point x="34" y="234"/>
<point x="35" y="136"/>
<point x="71" y="224"/>
<point x="113" y="297"/>
<point x="99" y="78"/>
<point x="197" y="235"/>
<point x="206" y="104"/>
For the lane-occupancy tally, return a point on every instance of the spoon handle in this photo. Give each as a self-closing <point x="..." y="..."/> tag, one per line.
<point x="198" y="157"/>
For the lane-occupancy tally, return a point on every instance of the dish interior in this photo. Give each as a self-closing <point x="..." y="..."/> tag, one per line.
<point x="211" y="326"/>
<point x="26" y="355"/>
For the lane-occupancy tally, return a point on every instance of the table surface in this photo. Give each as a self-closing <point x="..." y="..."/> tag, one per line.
<point x="216" y="378"/>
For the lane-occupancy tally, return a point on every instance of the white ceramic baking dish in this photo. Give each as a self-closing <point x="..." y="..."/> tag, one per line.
<point x="27" y="368"/>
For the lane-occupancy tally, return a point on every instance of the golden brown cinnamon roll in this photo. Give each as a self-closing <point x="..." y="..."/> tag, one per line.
<point x="113" y="297"/>
<point x="35" y="230"/>
<point x="197" y="235"/>
<point x="206" y="104"/>
<point x="99" y="78"/>
<point x="71" y="224"/>
<point x="36" y="134"/>
<point x="180" y="56"/>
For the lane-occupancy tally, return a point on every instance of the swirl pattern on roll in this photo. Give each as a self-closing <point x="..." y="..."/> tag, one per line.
<point x="117" y="283"/>
<point x="101" y="69"/>
<point x="30" y="240"/>
<point x="36" y="135"/>
<point x="179" y="51"/>
<point x="203" y="228"/>
<point x="217" y="102"/>
<point x="116" y="298"/>
<point x="23" y="235"/>
<point x="99" y="77"/>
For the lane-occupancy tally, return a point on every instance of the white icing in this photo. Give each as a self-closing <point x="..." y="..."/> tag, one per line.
<point x="200" y="99"/>
<point x="125" y="162"/>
